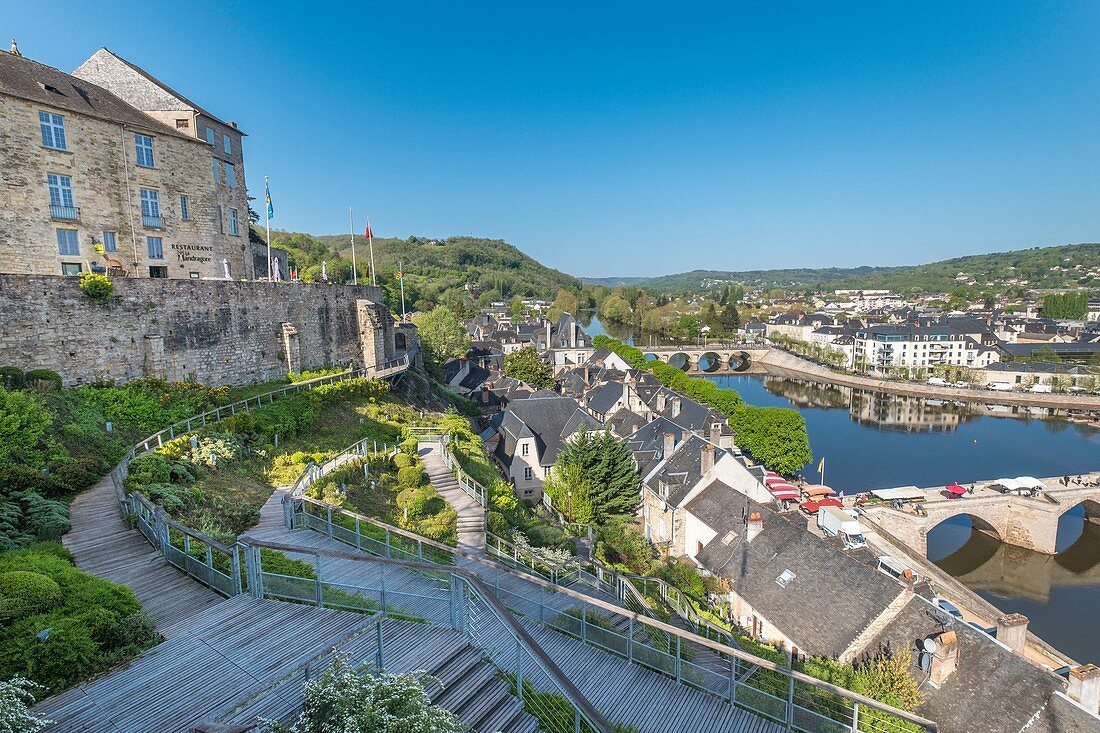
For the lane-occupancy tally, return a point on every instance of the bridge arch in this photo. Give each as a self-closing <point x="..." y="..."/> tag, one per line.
<point x="680" y="360"/>
<point x="959" y="527"/>
<point x="740" y="361"/>
<point x="709" y="361"/>
<point x="650" y="356"/>
<point x="1077" y="523"/>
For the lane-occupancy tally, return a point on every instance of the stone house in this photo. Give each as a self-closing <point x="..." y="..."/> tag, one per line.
<point x="93" y="184"/>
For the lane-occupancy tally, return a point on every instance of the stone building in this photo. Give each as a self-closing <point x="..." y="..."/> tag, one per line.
<point x="92" y="183"/>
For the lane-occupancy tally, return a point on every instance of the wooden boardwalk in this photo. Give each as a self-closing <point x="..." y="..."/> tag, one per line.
<point x="104" y="545"/>
<point x="471" y="515"/>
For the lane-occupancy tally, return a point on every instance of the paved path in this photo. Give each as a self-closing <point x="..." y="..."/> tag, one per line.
<point x="471" y="515"/>
<point x="104" y="545"/>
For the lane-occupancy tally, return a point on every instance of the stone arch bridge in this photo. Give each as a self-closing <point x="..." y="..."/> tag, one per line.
<point x="1016" y="520"/>
<point x="712" y="358"/>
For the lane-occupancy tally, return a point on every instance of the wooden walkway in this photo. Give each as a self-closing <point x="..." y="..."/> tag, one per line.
<point x="471" y="515"/>
<point x="105" y="546"/>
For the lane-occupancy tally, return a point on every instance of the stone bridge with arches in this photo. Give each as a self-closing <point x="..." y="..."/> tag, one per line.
<point x="716" y="358"/>
<point x="1029" y="522"/>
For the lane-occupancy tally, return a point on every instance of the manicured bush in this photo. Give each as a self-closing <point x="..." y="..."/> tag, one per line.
<point x="410" y="476"/>
<point x="96" y="287"/>
<point x="24" y="592"/>
<point x="11" y="378"/>
<point x="410" y="446"/>
<point x="42" y="380"/>
<point x="403" y="460"/>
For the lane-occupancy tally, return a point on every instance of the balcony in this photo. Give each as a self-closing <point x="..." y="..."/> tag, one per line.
<point x="64" y="213"/>
<point x="152" y="222"/>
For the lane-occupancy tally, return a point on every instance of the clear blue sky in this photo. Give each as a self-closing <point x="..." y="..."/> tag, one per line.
<point x="642" y="138"/>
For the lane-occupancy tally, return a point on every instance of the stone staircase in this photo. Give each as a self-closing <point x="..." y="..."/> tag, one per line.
<point x="471" y="515"/>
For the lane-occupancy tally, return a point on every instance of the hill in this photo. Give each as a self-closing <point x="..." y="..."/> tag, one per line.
<point x="1078" y="265"/>
<point x="458" y="271"/>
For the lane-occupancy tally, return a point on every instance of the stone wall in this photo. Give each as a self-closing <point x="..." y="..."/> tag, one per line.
<point x="215" y="332"/>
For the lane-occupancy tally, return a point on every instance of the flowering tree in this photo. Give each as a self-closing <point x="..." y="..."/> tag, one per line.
<point x="346" y="700"/>
<point x="16" y="696"/>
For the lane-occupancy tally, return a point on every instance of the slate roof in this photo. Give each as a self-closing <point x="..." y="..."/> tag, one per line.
<point x="1038" y="367"/>
<point x="549" y="419"/>
<point x="603" y="398"/>
<point x="692" y="415"/>
<point x="1071" y="348"/>
<point x="35" y="82"/>
<point x="647" y="442"/>
<point x="833" y="596"/>
<point x="991" y="691"/>
<point x="681" y="471"/>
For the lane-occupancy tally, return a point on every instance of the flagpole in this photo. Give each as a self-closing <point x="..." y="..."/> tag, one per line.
<point x="267" y="193"/>
<point x="351" y="227"/>
<point x="822" y="471"/>
<point x="373" y="269"/>
<point x="401" y="266"/>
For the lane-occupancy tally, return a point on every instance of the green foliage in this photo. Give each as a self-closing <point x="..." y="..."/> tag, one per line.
<point x="527" y="366"/>
<point x="774" y="436"/>
<point x="570" y="492"/>
<point x="309" y="374"/>
<point x="90" y="621"/>
<point x="11" y="378"/>
<point x="442" y="334"/>
<point x="16" y="698"/>
<point x="344" y="699"/>
<point x="564" y="302"/>
<point x="1068" y="306"/>
<point x="684" y="577"/>
<point x="621" y="545"/>
<point x="24" y="425"/>
<point x="403" y="460"/>
<point x="497" y="524"/>
<point x="23" y="592"/>
<point x="411" y="476"/>
<point x="96" y="287"/>
<point x="42" y="380"/>
<point x="410" y="447"/>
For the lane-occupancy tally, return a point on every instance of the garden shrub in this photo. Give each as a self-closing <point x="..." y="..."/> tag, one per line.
<point x="498" y="525"/>
<point x="410" y="446"/>
<point x="27" y="517"/>
<point x="42" y="380"/>
<point x="11" y="378"/>
<point x="24" y="426"/>
<point x="97" y="287"/>
<point x="410" y="476"/>
<point x="24" y="592"/>
<point x="683" y="577"/>
<point x="403" y="460"/>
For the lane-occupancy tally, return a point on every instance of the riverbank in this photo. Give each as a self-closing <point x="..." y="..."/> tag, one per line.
<point x="782" y="363"/>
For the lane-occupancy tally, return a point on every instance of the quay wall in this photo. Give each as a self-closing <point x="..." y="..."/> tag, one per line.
<point x="214" y="332"/>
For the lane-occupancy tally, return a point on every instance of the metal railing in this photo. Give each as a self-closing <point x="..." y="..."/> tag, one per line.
<point x="152" y="222"/>
<point x="64" y="213"/>
<point x="447" y="597"/>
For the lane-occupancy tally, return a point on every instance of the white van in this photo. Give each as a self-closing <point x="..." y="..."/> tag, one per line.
<point x="839" y="523"/>
<point x="895" y="568"/>
<point x="1043" y="388"/>
<point x="1000" y="386"/>
<point x="938" y="382"/>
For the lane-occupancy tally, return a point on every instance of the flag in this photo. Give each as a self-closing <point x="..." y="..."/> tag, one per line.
<point x="368" y="233"/>
<point x="267" y="200"/>
<point x="821" y="465"/>
<point x="398" y="275"/>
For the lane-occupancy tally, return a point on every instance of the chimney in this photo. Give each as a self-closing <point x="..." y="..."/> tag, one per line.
<point x="945" y="660"/>
<point x="716" y="433"/>
<point x="548" y="344"/>
<point x="670" y="445"/>
<point x="754" y="527"/>
<point x="573" y="335"/>
<point x="675" y="406"/>
<point x="15" y="48"/>
<point x="1012" y="631"/>
<point x="585" y="374"/>
<point x="1084" y="686"/>
<point x="706" y="458"/>
<point x="662" y="401"/>
<point x="910" y="581"/>
<point x="485" y="393"/>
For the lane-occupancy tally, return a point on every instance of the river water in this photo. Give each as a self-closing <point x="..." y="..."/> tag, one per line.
<point x="874" y="440"/>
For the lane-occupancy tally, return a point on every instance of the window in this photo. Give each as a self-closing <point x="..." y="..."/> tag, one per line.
<point x="528" y="474"/>
<point x="185" y="209"/>
<point x="158" y="271"/>
<point x="233" y="222"/>
<point x="227" y="144"/>
<point x="230" y="174"/>
<point x="526" y="449"/>
<point x="53" y="130"/>
<point x="110" y="242"/>
<point x="61" y="196"/>
<point x="67" y="242"/>
<point x="214" y="169"/>
<point x="150" y="208"/>
<point x="210" y="135"/>
<point x="182" y="123"/>
<point x="785" y="577"/>
<point x="70" y="268"/>
<point x="546" y="470"/>
<point x="156" y="248"/>
<point x="143" y="150"/>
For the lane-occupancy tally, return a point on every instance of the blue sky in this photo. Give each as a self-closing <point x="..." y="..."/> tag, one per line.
<point x="641" y="138"/>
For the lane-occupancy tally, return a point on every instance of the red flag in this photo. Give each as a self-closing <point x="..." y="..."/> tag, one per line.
<point x="368" y="233"/>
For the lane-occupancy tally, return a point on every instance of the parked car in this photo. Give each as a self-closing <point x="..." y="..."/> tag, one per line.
<point x="939" y="382"/>
<point x="1000" y="386"/>
<point x="962" y="385"/>
<point x="950" y="607"/>
<point x="895" y="568"/>
<point x="1042" y="388"/>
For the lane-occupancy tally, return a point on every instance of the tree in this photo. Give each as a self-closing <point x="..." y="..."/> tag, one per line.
<point x="570" y="492"/>
<point x="442" y="334"/>
<point x="516" y="307"/>
<point x="602" y="463"/>
<point x="345" y="700"/>
<point x="687" y="326"/>
<point x="730" y="319"/>
<point x="774" y="436"/>
<point x="565" y="302"/>
<point x="527" y="366"/>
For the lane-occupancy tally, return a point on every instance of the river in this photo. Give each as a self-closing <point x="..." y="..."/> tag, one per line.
<point x="875" y="440"/>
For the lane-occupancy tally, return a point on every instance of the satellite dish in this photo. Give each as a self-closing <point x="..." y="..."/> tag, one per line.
<point x="928" y="645"/>
<point x="924" y="661"/>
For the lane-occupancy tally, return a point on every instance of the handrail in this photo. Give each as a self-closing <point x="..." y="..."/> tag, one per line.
<point x="591" y="715"/>
<point x="714" y="646"/>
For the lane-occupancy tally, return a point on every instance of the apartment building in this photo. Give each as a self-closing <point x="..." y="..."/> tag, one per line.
<point x="883" y="347"/>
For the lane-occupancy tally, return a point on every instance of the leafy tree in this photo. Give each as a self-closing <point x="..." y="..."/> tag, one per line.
<point x="442" y="334"/>
<point x="687" y="326"/>
<point x="345" y="700"/>
<point x="730" y="320"/>
<point x="775" y="436"/>
<point x="24" y="423"/>
<point x="1067" y="306"/>
<point x="565" y="302"/>
<point x="527" y="366"/>
<point x="602" y="462"/>
<point x="570" y="492"/>
<point x="516" y="307"/>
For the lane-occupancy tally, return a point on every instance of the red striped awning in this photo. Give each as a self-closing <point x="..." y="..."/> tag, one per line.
<point x="818" y="490"/>
<point x="770" y="480"/>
